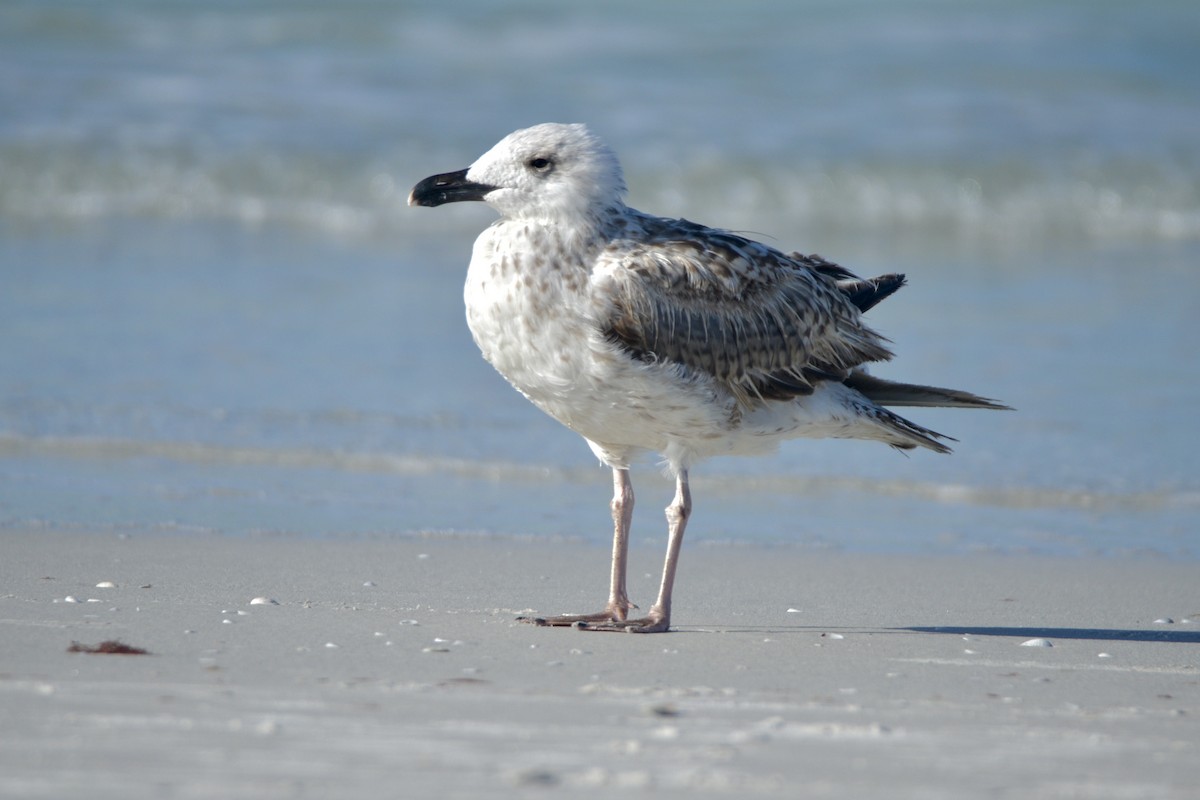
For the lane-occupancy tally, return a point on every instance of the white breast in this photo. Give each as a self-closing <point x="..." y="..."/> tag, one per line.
<point x="533" y="319"/>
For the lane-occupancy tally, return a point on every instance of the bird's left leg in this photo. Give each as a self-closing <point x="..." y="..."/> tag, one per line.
<point x="618" y="605"/>
<point x="658" y="620"/>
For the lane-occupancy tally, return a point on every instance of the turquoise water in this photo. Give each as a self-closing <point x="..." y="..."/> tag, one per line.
<point x="218" y="315"/>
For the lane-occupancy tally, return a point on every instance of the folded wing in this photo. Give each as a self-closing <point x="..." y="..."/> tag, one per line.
<point x="767" y="325"/>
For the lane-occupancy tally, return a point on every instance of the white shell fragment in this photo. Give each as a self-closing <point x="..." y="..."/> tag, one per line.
<point x="106" y="585"/>
<point x="1037" y="643"/>
<point x="268" y="727"/>
<point x="264" y="601"/>
<point x="70" y="599"/>
<point x="1164" y="621"/>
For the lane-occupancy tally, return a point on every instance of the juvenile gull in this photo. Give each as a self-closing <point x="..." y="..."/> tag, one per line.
<point x="641" y="333"/>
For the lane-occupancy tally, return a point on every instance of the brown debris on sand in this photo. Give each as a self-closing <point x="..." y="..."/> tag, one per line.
<point x="111" y="647"/>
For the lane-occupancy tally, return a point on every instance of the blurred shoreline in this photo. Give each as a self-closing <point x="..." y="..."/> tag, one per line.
<point x="205" y="249"/>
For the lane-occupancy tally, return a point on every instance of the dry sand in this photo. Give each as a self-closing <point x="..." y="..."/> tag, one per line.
<point x="393" y="668"/>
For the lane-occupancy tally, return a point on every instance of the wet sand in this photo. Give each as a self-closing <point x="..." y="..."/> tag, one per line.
<point x="393" y="667"/>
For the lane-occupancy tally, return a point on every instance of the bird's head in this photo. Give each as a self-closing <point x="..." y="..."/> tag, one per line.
<point x="550" y="172"/>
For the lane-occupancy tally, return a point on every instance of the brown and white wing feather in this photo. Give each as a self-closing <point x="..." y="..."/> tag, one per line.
<point x="765" y="324"/>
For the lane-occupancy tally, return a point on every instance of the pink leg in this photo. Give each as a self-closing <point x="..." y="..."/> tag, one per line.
<point x="658" y="620"/>
<point x="618" y="605"/>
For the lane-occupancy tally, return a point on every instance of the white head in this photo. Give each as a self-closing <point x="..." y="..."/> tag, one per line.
<point x="547" y="172"/>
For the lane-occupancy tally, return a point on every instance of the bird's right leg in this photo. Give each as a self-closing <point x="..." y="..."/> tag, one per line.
<point x="618" y="605"/>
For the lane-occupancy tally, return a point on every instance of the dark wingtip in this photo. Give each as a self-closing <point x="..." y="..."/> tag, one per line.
<point x="866" y="294"/>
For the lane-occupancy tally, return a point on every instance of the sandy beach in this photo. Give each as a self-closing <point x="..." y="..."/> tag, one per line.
<point x="393" y="667"/>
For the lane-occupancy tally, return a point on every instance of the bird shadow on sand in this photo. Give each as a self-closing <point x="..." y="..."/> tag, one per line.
<point x="1092" y="634"/>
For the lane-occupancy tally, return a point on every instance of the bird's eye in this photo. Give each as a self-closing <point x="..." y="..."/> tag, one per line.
<point x="540" y="164"/>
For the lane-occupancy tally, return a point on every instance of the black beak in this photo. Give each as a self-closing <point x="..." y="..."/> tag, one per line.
<point x="450" y="187"/>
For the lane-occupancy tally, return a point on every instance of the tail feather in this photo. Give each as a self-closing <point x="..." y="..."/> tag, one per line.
<point x="893" y="393"/>
<point x="904" y="434"/>
<point x="900" y="432"/>
<point x="871" y="394"/>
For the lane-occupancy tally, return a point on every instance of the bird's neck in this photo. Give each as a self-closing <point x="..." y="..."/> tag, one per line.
<point x="581" y="233"/>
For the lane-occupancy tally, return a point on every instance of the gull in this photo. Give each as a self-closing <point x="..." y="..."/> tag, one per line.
<point x="647" y="334"/>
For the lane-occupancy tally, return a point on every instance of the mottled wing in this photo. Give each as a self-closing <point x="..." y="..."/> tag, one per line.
<point x="765" y="324"/>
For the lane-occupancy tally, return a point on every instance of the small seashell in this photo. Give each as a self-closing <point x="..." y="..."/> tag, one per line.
<point x="794" y="611"/>
<point x="268" y="727"/>
<point x="264" y="601"/>
<point x="1164" y="621"/>
<point x="331" y="646"/>
<point x="70" y="599"/>
<point x="1037" y="643"/>
<point x="106" y="585"/>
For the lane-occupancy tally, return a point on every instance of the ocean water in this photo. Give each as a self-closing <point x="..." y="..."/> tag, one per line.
<point x="218" y="316"/>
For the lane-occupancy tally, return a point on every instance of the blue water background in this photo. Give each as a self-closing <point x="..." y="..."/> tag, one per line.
<point x="217" y="314"/>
